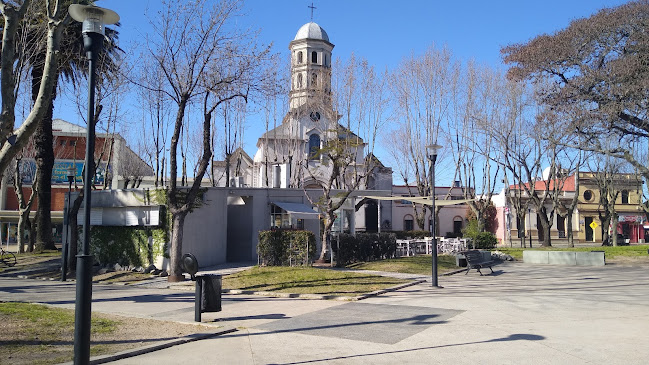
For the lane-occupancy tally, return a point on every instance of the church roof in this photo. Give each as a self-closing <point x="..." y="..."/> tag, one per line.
<point x="311" y="31"/>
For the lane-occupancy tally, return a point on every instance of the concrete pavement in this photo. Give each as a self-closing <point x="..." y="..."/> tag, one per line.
<point x="523" y="314"/>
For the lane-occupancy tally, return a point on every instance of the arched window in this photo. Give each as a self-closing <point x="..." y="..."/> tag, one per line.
<point x="314" y="57"/>
<point x="408" y="223"/>
<point x="314" y="147"/>
<point x="299" y="57"/>
<point x="625" y="197"/>
<point x="314" y="80"/>
<point x="299" y="81"/>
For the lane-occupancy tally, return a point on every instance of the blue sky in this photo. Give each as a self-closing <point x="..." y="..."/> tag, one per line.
<point x="382" y="31"/>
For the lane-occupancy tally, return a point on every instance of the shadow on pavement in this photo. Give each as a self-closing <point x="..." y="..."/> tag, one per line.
<point x="512" y="337"/>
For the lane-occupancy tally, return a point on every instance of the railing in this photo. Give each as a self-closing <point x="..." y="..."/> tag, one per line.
<point x="414" y="247"/>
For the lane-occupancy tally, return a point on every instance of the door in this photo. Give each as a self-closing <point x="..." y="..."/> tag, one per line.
<point x="371" y="216"/>
<point x="589" y="229"/>
<point x="561" y="226"/>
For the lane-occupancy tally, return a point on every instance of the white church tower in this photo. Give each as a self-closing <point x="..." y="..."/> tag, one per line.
<point x="310" y="66"/>
<point x="287" y="154"/>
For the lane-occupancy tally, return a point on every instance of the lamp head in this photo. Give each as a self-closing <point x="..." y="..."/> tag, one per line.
<point x="92" y="17"/>
<point x="72" y="173"/>
<point x="432" y="149"/>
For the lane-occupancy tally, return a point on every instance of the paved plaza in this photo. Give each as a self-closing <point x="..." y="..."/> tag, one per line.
<point x="522" y="314"/>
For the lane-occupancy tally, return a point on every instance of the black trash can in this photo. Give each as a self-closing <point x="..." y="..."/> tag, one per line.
<point x="210" y="292"/>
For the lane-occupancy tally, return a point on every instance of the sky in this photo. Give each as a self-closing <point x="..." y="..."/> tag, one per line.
<point x="381" y="31"/>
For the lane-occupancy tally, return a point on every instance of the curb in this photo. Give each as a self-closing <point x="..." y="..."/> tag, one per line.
<point x="312" y="296"/>
<point x="147" y="349"/>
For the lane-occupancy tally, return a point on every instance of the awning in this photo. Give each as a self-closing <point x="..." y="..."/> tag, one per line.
<point x="298" y="210"/>
<point x="419" y="200"/>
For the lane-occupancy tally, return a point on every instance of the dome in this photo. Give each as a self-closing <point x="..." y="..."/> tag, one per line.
<point x="312" y="31"/>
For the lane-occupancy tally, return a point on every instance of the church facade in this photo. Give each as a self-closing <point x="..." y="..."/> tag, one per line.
<point x="297" y="154"/>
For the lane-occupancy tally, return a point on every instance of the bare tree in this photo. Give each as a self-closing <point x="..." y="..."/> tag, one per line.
<point x="423" y="88"/>
<point x="204" y="60"/>
<point x="481" y="102"/>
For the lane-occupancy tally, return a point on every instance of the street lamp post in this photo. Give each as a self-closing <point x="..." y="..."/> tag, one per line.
<point x="93" y="19"/>
<point x="529" y="219"/>
<point x="432" y="156"/>
<point x="72" y="172"/>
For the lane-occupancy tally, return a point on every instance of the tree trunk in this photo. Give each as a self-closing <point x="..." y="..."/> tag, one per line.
<point x="45" y="162"/>
<point x="571" y="238"/>
<point x="73" y="247"/>
<point x="614" y="223"/>
<point x="175" y="251"/>
<point x="325" y="235"/>
<point x="545" y="226"/>
<point x="23" y="223"/>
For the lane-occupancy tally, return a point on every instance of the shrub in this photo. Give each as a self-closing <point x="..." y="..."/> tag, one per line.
<point x="485" y="240"/>
<point x="481" y="240"/>
<point x="127" y="246"/>
<point x="364" y="247"/>
<point x="282" y="247"/>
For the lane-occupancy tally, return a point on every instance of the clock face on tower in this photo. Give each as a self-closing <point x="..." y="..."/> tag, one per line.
<point x="315" y="116"/>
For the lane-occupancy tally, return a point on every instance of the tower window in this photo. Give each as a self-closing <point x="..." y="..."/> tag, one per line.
<point x="314" y="57"/>
<point x="299" y="81"/>
<point x="314" y="147"/>
<point x="314" y="80"/>
<point x="625" y="197"/>
<point x="299" y="57"/>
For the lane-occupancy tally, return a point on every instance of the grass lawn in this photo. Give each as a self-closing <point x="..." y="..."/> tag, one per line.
<point x="411" y="265"/>
<point x="307" y="280"/>
<point x="38" y="334"/>
<point x="29" y="329"/>
<point x="610" y="251"/>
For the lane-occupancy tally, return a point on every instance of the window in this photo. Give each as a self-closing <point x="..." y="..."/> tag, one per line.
<point x="625" y="197"/>
<point x="588" y="195"/>
<point x="299" y="81"/>
<point x="299" y="58"/>
<point x="72" y="143"/>
<point x="62" y="142"/>
<point x="278" y="217"/>
<point x="314" y="80"/>
<point x="408" y="223"/>
<point x="314" y="147"/>
<point x="325" y="60"/>
<point x="314" y="57"/>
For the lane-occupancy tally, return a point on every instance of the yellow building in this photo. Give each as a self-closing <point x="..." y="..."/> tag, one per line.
<point x="631" y="217"/>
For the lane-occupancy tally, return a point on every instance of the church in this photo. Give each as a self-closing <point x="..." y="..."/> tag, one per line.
<point x="298" y="153"/>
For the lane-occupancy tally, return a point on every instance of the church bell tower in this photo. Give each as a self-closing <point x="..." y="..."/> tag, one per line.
<point x="310" y="67"/>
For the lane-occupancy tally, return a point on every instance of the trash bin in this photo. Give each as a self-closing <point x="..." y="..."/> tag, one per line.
<point x="460" y="260"/>
<point x="210" y="293"/>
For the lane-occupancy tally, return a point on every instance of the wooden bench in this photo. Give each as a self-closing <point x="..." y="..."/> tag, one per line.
<point x="474" y="260"/>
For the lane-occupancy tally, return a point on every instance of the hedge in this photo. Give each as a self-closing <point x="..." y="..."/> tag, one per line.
<point x="127" y="246"/>
<point x="282" y="247"/>
<point x="363" y="247"/>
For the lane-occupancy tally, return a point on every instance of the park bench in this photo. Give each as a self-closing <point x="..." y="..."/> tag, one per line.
<point x="474" y="260"/>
